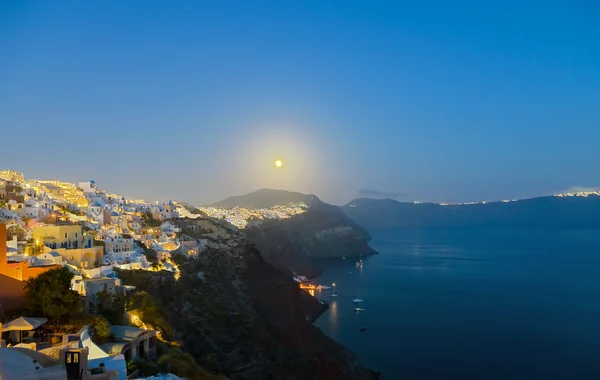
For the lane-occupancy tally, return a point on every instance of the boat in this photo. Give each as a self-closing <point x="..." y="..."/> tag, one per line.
<point x="324" y="287"/>
<point x="358" y="309"/>
<point x="344" y="257"/>
<point x="363" y="328"/>
<point x="333" y="295"/>
<point x="359" y="263"/>
<point x="357" y="300"/>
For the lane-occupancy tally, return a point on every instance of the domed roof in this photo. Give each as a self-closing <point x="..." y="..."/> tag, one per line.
<point x="95" y="204"/>
<point x="16" y="365"/>
<point x="114" y="213"/>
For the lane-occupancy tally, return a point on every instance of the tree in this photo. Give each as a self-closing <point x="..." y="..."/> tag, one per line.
<point x="50" y="294"/>
<point x="100" y="330"/>
<point x="111" y="306"/>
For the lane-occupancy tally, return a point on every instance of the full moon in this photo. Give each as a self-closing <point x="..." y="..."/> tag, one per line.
<point x="278" y="163"/>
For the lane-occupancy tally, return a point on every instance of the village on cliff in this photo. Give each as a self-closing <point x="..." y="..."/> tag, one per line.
<point x="47" y="225"/>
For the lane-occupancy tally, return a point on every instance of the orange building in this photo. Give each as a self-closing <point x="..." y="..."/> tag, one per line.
<point x="12" y="292"/>
<point x="19" y="271"/>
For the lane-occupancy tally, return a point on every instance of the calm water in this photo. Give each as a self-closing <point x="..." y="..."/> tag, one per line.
<point x="472" y="304"/>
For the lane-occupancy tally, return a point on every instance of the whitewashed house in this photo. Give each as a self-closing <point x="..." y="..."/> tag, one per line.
<point x="95" y="212"/>
<point x="32" y="208"/>
<point x="88" y="186"/>
<point x="53" y="257"/>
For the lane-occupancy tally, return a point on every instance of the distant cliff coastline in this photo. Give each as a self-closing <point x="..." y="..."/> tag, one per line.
<point x="542" y="212"/>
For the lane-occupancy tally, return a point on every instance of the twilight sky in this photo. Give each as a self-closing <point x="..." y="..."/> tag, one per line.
<point x="195" y="100"/>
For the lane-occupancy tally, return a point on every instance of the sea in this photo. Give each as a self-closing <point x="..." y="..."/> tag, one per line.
<point x="471" y="303"/>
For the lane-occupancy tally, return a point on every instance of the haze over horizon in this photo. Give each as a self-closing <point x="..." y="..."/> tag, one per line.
<point x="195" y="102"/>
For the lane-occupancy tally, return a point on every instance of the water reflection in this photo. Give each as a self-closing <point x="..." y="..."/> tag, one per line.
<point x="311" y="292"/>
<point x="333" y="317"/>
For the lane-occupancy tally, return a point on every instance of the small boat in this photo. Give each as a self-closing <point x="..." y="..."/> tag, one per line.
<point x="344" y="257"/>
<point x="358" y="309"/>
<point x="363" y="328"/>
<point x="357" y="300"/>
<point x="333" y="295"/>
<point x="324" y="287"/>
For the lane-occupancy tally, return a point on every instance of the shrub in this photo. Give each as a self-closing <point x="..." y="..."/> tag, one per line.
<point x="100" y="330"/>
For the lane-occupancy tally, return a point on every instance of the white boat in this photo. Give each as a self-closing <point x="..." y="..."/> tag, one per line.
<point x="324" y="287"/>
<point x="358" y="309"/>
<point x="333" y="295"/>
<point x="357" y="300"/>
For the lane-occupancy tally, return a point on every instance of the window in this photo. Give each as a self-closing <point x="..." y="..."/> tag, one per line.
<point x="65" y="235"/>
<point x="75" y="234"/>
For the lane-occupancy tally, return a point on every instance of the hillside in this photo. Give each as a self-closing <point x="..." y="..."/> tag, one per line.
<point x="295" y="244"/>
<point x="566" y="212"/>
<point x="265" y="198"/>
<point x="239" y="316"/>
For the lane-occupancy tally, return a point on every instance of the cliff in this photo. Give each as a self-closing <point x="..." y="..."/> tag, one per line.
<point x="294" y="244"/>
<point x="542" y="212"/>
<point x="239" y="316"/>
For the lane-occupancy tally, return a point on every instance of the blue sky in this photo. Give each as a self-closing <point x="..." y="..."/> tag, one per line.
<point x="431" y="101"/>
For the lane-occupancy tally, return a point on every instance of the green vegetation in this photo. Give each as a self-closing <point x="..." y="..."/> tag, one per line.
<point x="179" y="259"/>
<point x="145" y="307"/>
<point x="148" y="220"/>
<point x="150" y="253"/>
<point x="110" y="306"/>
<point x="50" y="294"/>
<point x="100" y="330"/>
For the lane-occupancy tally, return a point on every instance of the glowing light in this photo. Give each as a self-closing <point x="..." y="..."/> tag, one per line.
<point x="278" y="163"/>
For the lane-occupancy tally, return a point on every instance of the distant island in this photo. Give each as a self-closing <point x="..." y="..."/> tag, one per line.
<point x="562" y="210"/>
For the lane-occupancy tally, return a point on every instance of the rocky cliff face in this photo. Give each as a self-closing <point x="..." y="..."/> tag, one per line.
<point x="240" y="316"/>
<point x="295" y="244"/>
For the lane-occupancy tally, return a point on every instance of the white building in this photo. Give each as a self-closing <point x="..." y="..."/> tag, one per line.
<point x="7" y="214"/>
<point x="166" y="210"/>
<point x="95" y="212"/>
<point x="91" y="286"/>
<point x="52" y="257"/>
<point x="32" y="208"/>
<point x="88" y="186"/>
<point x="118" y="245"/>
